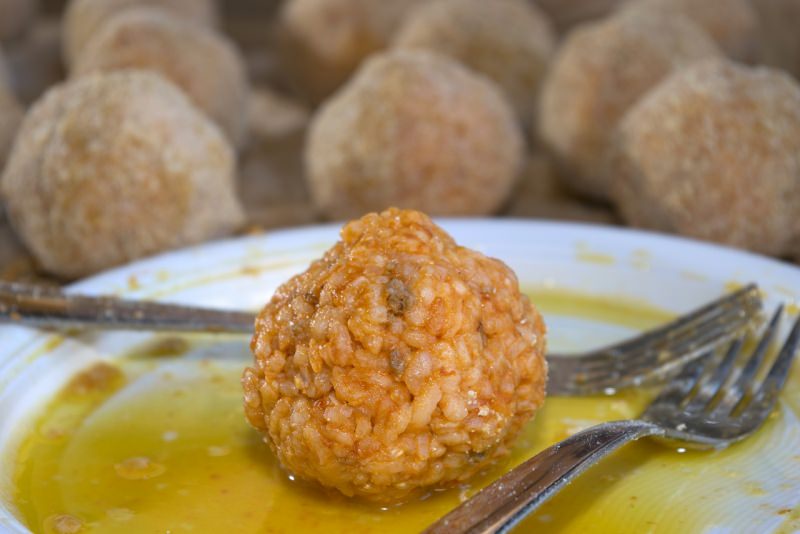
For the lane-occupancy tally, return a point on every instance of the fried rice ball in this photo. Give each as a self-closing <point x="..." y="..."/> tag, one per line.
<point x="509" y="41"/>
<point x="83" y="18"/>
<point x="733" y="24"/>
<point x="712" y="153"/>
<point x="111" y="167"/>
<point x="324" y="41"/>
<point x="15" y="17"/>
<point x="415" y="130"/>
<point x="202" y="62"/>
<point x="398" y="361"/>
<point x="598" y="73"/>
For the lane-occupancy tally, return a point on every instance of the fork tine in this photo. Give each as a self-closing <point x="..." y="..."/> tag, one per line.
<point x="682" y="385"/>
<point x="624" y="370"/>
<point x="746" y="297"/>
<point x="659" y="353"/>
<point x="708" y="389"/>
<point x="703" y="328"/>
<point x="767" y="395"/>
<point x="642" y="370"/>
<point x="747" y="293"/>
<point x="704" y="340"/>
<point x="733" y="323"/>
<point x="737" y="390"/>
<point x="667" y="353"/>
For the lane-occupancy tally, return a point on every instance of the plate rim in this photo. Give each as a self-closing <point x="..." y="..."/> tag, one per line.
<point x="446" y="222"/>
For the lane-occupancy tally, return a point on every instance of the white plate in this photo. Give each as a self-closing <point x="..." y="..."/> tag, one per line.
<point x="675" y="274"/>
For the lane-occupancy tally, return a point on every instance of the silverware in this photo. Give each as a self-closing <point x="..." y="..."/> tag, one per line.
<point x="657" y="353"/>
<point x="713" y="402"/>
<point x="645" y="358"/>
<point x="49" y="307"/>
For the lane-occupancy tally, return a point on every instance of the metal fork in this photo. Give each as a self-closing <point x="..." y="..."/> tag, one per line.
<point x="712" y="402"/>
<point x="645" y="358"/>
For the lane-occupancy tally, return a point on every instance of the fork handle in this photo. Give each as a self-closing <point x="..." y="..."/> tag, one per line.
<point x="505" y="502"/>
<point x="45" y="306"/>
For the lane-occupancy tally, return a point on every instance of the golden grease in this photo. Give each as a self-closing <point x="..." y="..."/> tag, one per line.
<point x="163" y="446"/>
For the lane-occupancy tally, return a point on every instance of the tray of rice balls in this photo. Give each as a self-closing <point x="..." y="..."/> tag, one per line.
<point x="424" y="204"/>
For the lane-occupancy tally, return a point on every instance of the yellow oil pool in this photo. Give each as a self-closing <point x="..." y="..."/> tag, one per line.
<point x="160" y="444"/>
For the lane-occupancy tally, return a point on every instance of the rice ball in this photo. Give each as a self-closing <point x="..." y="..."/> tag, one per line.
<point x="111" y="167"/>
<point x="415" y="130"/>
<point x="733" y="24"/>
<point x="84" y="18"/>
<point x="205" y="64"/>
<point x="508" y="41"/>
<point x="15" y="17"/>
<point x="324" y="41"/>
<point x="398" y="361"/>
<point x="712" y="153"/>
<point x="598" y="73"/>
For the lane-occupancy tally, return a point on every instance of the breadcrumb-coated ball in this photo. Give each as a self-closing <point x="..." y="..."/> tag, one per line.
<point x="510" y="41"/>
<point x="83" y="18"/>
<point x="111" y="167"/>
<point x="714" y="152"/>
<point x="733" y="24"/>
<point x="324" y="41"/>
<point x="398" y="361"/>
<point x="598" y="73"/>
<point x="202" y="62"/>
<point x="15" y="17"/>
<point x="416" y="130"/>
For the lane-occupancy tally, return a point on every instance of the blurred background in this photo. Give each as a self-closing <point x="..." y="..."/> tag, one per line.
<point x="680" y="116"/>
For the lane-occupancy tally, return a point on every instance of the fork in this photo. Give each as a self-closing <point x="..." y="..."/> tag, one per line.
<point x="645" y="358"/>
<point x="712" y="402"/>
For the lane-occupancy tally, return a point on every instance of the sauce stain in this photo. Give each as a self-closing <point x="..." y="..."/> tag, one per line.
<point x="584" y="253"/>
